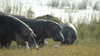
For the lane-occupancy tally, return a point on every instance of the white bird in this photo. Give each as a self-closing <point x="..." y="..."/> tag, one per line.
<point x="27" y="47"/>
<point x="56" y="46"/>
<point x="46" y="43"/>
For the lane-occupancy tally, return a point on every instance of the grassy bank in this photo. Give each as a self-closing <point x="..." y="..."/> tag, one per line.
<point x="87" y="47"/>
<point x="87" y="43"/>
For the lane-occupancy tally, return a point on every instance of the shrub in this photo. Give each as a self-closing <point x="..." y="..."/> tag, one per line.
<point x="96" y="6"/>
<point x="90" y="30"/>
<point x="30" y="13"/>
<point x="50" y="17"/>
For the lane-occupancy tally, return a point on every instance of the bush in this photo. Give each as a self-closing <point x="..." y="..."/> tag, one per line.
<point x="90" y="30"/>
<point x="30" y="13"/>
<point x="50" y="17"/>
<point x="96" y="6"/>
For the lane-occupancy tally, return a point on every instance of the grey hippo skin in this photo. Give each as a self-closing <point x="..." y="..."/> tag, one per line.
<point x="43" y="29"/>
<point x="69" y="32"/>
<point x="11" y="28"/>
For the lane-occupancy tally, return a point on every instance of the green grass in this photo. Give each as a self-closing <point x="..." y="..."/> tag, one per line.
<point x="86" y="47"/>
<point x="87" y="43"/>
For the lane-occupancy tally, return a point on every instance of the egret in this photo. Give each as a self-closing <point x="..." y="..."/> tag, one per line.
<point x="27" y="47"/>
<point x="56" y="46"/>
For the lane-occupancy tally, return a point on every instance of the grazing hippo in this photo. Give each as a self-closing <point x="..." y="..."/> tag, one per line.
<point x="11" y="28"/>
<point x="43" y="29"/>
<point x="69" y="32"/>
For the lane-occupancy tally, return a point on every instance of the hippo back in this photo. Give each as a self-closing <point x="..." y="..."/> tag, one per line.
<point x="43" y="29"/>
<point x="68" y="25"/>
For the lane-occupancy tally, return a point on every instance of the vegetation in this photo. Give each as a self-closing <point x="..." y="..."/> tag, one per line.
<point x="74" y="5"/>
<point x="86" y="44"/>
<point x="17" y="9"/>
<point x="87" y="47"/>
<point x="90" y="30"/>
<point x="50" y="17"/>
<point x="96" y="6"/>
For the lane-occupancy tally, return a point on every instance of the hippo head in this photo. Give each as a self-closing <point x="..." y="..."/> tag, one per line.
<point x="24" y="33"/>
<point x="67" y="36"/>
<point x="28" y="36"/>
<point x="54" y="31"/>
<point x="69" y="32"/>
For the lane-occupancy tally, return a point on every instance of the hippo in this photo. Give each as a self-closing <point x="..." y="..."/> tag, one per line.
<point x="13" y="29"/>
<point x="69" y="32"/>
<point x="43" y="29"/>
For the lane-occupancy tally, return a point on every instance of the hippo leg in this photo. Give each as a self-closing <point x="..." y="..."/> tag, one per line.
<point x="7" y="45"/>
<point x="2" y="44"/>
<point x="37" y="40"/>
<point x="44" y="43"/>
<point x="41" y="43"/>
<point x="67" y="41"/>
<point x="63" y="43"/>
<point x="3" y="41"/>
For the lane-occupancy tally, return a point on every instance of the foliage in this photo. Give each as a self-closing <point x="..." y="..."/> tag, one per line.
<point x="83" y="4"/>
<point x="86" y="44"/>
<point x="30" y="13"/>
<point x="96" y="6"/>
<point x="50" y="17"/>
<point x="90" y="30"/>
<point x="17" y="9"/>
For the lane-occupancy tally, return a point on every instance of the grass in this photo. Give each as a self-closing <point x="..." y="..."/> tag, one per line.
<point x="87" y="43"/>
<point x="86" y="47"/>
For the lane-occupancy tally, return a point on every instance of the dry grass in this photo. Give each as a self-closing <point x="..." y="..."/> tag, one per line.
<point x="84" y="48"/>
<point x="87" y="43"/>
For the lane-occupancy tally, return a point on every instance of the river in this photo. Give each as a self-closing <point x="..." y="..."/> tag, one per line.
<point x="63" y="10"/>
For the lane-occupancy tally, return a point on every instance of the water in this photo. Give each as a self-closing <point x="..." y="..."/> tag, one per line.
<point x="63" y="10"/>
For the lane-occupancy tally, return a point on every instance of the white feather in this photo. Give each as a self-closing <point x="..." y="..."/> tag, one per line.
<point x="27" y="47"/>
<point x="56" y="46"/>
